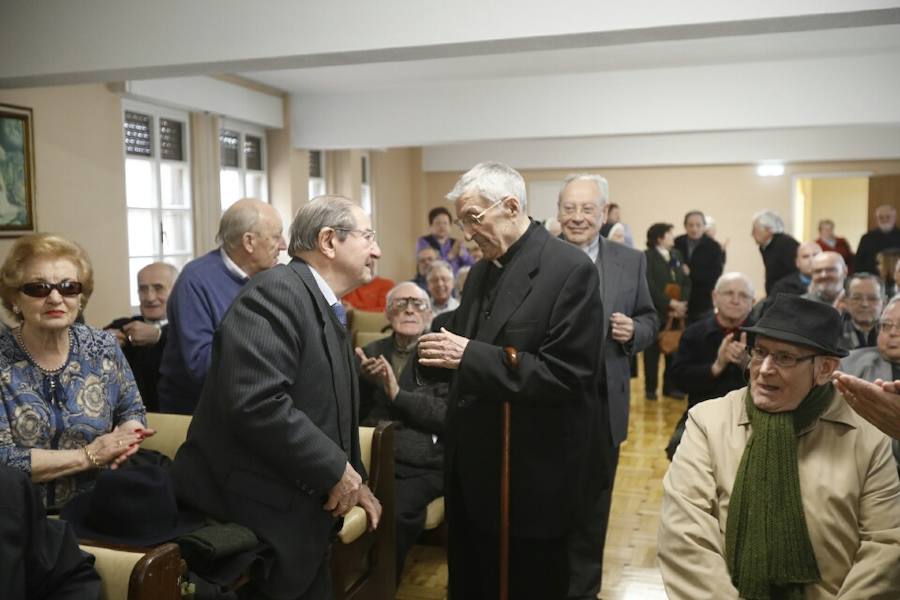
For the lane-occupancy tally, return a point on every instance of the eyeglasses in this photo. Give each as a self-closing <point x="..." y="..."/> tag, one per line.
<point x="471" y="220"/>
<point x="42" y="289"/>
<point x="888" y="326"/>
<point x="367" y="234"/>
<point x="781" y="359"/>
<point x="588" y="210"/>
<point x="420" y="304"/>
<point x="857" y="299"/>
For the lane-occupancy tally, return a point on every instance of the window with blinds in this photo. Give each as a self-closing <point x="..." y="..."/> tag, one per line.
<point x="157" y="188"/>
<point x="171" y="139"/>
<point x="316" y="173"/>
<point x="243" y="168"/>
<point x="138" y="134"/>
<point x="228" y="148"/>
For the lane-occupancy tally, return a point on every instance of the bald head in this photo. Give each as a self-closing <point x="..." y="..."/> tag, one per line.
<point x="805" y="254"/>
<point x="155" y="281"/>
<point x="251" y="233"/>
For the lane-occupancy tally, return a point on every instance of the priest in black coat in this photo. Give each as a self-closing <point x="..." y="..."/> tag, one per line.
<point x="525" y="333"/>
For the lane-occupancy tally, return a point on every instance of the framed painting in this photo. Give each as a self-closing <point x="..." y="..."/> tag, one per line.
<point x="16" y="170"/>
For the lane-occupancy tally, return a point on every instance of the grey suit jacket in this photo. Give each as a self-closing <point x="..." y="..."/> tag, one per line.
<point x="866" y="363"/>
<point x="276" y="423"/>
<point x="624" y="289"/>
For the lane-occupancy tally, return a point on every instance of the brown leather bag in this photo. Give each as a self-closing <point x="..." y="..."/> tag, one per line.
<point x="670" y="336"/>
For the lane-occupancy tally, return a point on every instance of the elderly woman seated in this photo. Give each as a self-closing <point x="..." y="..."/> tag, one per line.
<point x="70" y="403"/>
<point x="779" y="490"/>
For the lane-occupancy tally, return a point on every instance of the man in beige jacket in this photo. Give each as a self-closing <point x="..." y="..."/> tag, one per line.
<point x="780" y="490"/>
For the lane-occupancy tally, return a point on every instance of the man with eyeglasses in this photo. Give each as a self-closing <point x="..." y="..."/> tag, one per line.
<point x="525" y="334"/>
<point x="881" y="363"/>
<point x="629" y="325"/>
<point x="780" y="490"/>
<point x="389" y="391"/>
<point x="274" y="442"/>
<point x="712" y="356"/>
<point x="862" y="302"/>
<point x="250" y="234"/>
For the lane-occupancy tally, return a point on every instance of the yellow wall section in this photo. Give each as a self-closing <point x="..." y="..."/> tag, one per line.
<point x="844" y="201"/>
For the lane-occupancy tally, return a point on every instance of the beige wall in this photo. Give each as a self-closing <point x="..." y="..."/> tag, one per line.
<point x="396" y="182"/>
<point x="731" y="194"/>
<point x="80" y="179"/>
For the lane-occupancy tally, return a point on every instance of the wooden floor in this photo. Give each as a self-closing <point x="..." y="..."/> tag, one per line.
<point x="629" y="567"/>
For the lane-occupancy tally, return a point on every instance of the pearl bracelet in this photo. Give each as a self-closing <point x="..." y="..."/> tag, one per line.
<point x="91" y="458"/>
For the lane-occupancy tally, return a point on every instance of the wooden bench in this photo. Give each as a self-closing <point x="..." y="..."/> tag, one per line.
<point x="137" y="574"/>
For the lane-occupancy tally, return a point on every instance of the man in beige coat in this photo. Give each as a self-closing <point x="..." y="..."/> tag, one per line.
<point x="825" y="523"/>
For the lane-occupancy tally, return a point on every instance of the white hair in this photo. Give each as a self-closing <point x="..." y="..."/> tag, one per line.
<point x="769" y="219"/>
<point x="439" y="264"/>
<point x="735" y="276"/>
<point x="493" y="181"/>
<point x="602" y="186"/>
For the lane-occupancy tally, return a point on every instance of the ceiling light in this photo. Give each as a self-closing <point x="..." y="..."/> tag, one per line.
<point x="770" y="170"/>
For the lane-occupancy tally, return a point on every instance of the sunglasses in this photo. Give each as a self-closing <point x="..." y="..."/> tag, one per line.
<point x="42" y="289"/>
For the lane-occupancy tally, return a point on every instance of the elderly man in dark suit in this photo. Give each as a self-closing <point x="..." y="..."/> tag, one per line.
<point x="525" y="334"/>
<point x="778" y="249"/>
<point x="705" y="259"/>
<point x="274" y="442"/>
<point x="629" y="325"/>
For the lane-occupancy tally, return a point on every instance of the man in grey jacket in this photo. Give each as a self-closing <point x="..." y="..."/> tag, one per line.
<point x="629" y="325"/>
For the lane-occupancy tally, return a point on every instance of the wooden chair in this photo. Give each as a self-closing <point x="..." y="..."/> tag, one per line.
<point x="435" y="533"/>
<point x="171" y="431"/>
<point x="364" y="320"/>
<point x="363" y="338"/>
<point x="363" y="562"/>
<point x="133" y="574"/>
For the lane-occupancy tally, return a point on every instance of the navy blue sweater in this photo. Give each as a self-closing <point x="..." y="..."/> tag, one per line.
<point x="201" y="296"/>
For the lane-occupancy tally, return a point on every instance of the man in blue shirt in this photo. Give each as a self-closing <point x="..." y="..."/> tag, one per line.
<point x="250" y="234"/>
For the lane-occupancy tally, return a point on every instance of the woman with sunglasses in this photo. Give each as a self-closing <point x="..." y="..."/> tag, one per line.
<point x="70" y="403"/>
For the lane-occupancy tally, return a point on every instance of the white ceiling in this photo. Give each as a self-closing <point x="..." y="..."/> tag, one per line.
<point x="651" y="55"/>
<point x="400" y="72"/>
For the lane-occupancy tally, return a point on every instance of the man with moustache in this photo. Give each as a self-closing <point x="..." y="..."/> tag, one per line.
<point x="629" y="325"/>
<point x="143" y="337"/>
<point x="274" y="442"/>
<point x="828" y="275"/>
<point x="863" y="301"/>
<point x="250" y="234"/>
<point x="523" y="334"/>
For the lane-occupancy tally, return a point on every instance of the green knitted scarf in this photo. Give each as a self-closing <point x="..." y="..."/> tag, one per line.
<point x="767" y="546"/>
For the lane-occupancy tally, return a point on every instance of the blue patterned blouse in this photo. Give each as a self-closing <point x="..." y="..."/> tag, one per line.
<point x="94" y="392"/>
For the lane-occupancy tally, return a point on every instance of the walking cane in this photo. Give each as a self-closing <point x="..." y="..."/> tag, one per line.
<point x="512" y="361"/>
